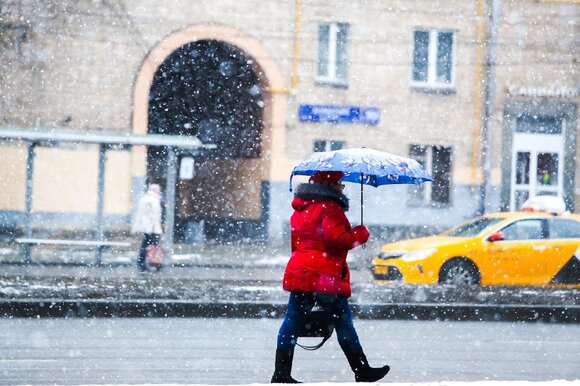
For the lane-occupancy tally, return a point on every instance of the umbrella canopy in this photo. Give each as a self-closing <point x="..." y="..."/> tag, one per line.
<point x="365" y="166"/>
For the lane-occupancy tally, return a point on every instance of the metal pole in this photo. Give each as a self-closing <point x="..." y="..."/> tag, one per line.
<point x="361" y="204"/>
<point x="26" y="247"/>
<point x="100" y="235"/>
<point x="487" y="145"/>
<point x="361" y="199"/>
<point x="170" y="200"/>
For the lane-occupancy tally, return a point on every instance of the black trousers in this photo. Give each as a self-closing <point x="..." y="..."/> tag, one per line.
<point x="148" y="239"/>
<point x="300" y="304"/>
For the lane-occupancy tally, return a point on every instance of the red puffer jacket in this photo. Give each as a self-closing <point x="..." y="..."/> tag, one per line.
<point x="321" y="239"/>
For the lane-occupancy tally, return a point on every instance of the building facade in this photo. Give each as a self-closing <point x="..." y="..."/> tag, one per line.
<point x="484" y="93"/>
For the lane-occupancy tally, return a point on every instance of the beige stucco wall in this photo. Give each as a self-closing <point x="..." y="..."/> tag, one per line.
<point x="88" y="65"/>
<point x="65" y="179"/>
<point x="539" y="48"/>
<point x="69" y="175"/>
<point x="12" y="176"/>
<point x="118" y="187"/>
<point x="380" y="53"/>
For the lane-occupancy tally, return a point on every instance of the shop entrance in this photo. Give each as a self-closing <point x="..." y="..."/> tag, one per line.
<point x="537" y="158"/>
<point x="212" y="90"/>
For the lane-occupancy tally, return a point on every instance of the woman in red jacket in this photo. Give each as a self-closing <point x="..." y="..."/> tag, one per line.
<point x="318" y="273"/>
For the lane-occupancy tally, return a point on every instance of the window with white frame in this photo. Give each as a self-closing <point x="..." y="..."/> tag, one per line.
<point x="332" y="62"/>
<point x="325" y="145"/>
<point x="437" y="161"/>
<point x="433" y="58"/>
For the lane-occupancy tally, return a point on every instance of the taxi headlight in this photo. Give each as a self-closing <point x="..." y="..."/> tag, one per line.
<point x="417" y="255"/>
<point x="390" y="255"/>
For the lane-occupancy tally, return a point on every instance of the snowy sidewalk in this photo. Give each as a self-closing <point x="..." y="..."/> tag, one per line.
<point x="481" y="383"/>
<point x="245" y="280"/>
<point x="255" y="292"/>
<point x="229" y="254"/>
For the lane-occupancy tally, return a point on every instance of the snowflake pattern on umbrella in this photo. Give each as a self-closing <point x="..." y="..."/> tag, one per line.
<point x="367" y="166"/>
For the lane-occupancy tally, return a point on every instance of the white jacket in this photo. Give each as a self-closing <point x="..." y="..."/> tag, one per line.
<point x="148" y="215"/>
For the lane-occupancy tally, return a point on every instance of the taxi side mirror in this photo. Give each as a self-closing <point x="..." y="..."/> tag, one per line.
<point x="496" y="236"/>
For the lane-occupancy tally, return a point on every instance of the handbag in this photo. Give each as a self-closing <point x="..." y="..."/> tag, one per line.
<point x="318" y="324"/>
<point x="155" y="255"/>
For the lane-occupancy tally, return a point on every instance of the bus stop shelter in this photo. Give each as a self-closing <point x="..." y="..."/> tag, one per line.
<point x="173" y="145"/>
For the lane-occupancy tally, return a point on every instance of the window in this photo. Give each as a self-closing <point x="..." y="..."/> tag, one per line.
<point x="564" y="228"/>
<point x="437" y="161"/>
<point x="524" y="230"/>
<point x="538" y="124"/>
<point x="472" y="228"/>
<point x="332" y="57"/>
<point x="324" y="145"/>
<point x="433" y="59"/>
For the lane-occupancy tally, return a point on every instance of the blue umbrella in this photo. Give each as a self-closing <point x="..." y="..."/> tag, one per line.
<point x="364" y="166"/>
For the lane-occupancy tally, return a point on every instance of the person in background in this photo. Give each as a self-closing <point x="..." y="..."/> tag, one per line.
<point x="317" y="272"/>
<point x="147" y="221"/>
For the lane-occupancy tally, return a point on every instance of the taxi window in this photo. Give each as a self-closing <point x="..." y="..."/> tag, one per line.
<point x="472" y="228"/>
<point x="530" y="229"/>
<point x="564" y="228"/>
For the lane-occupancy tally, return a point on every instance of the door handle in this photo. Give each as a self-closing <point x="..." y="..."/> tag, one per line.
<point x="540" y="248"/>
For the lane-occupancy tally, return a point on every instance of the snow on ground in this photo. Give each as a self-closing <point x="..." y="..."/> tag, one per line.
<point x="278" y="260"/>
<point x="187" y="258"/>
<point x="480" y="383"/>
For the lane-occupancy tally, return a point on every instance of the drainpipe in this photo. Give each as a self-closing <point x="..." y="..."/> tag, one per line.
<point x="477" y="96"/>
<point x="487" y="145"/>
<point x="294" y="79"/>
<point x="296" y="56"/>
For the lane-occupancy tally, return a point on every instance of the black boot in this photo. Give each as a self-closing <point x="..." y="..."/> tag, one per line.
<point x="361" y="369"/>
<point x="283" y="368"/>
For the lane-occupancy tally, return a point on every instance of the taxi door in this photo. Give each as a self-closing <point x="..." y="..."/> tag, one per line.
<point x="564" y="238"/>
<point x="520" y="258"/>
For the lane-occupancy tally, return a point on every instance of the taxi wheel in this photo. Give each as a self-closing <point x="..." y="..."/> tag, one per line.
<point x="459" y="271"/>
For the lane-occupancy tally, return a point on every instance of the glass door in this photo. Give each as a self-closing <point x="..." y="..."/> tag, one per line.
<point x="538" y="150"/>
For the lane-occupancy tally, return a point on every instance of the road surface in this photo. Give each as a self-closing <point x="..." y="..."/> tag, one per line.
<point x="241" y="351"/>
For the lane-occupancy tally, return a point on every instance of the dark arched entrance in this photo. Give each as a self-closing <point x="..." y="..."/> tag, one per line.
<point x="213" y="90"/>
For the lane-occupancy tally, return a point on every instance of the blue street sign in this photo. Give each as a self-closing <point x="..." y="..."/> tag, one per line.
<point x="339" y="114"/>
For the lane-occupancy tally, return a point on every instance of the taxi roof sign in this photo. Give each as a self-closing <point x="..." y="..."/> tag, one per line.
<point x="549" y="204"/>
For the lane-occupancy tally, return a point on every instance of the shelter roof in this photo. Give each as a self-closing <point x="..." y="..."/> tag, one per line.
<point x="105" y="137"/>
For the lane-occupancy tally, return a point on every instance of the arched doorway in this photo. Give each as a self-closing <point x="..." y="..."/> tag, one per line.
<point x="212" y="90"/>
<point x="230" y="191"/>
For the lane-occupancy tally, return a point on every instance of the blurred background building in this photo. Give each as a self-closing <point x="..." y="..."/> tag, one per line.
<point x="483" y="92"/>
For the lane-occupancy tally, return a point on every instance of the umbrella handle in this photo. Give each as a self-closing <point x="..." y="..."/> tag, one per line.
<point x="362" y="204"/>
<point x="290" y="184"/>
<point x="361" y="199"/>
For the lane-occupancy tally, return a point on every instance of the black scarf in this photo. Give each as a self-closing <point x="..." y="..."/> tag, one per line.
<point x="320" y="192"/>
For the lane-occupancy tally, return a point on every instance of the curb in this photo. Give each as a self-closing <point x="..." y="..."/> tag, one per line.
<point x="471" y="312"/>
<point x="52" y="308"/>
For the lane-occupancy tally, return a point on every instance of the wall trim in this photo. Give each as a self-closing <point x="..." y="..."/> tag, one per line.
<point x="273" y="132"/>
<point x="513" y="108"/>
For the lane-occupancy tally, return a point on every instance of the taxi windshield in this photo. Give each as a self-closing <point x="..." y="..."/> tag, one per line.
<point x="472" y="228"/>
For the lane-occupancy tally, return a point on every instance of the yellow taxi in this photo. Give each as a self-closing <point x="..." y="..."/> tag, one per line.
<point x="509" y="248"/>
